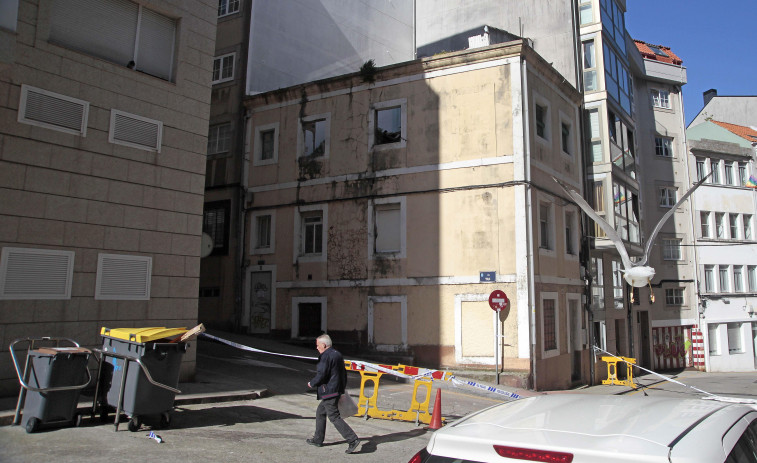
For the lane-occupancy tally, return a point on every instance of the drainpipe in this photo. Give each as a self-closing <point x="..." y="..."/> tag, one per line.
<point x="242" y="225"/>
<point x="529" y="215"/>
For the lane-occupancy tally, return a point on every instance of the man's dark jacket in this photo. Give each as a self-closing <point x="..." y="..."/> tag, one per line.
<point x="331" y="377"/>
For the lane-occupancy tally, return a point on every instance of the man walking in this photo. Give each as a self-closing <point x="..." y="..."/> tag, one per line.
<point x="330" y="381"/>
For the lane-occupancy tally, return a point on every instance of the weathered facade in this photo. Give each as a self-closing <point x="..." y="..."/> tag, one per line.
<point x="378" y="198"/>
<point x="102" y="163"/>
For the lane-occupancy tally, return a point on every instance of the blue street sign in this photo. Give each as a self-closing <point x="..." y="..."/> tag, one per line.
<point x="487" y="277"/>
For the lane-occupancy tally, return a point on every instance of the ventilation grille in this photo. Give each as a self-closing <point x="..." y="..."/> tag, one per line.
<point x="35" y="274"/>
<point x="51" y="110"/>
<point x="135" y="131"/>
<point x="123" y="277"/>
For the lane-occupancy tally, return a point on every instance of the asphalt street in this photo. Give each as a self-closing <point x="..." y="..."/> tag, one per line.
<point x="250" y="407"/>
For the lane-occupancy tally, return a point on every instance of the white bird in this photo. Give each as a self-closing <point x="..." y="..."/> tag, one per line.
<point x="637" y="274"/>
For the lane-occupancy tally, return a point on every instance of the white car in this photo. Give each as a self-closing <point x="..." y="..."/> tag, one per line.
<point x="564" y="428"/>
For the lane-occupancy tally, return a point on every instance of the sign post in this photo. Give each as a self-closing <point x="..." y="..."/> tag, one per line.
<point x="497" y="301"/>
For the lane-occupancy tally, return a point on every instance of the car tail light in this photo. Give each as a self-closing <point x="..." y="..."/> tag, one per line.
<point x="533" y="455"/>
<point x="417" y="458"/>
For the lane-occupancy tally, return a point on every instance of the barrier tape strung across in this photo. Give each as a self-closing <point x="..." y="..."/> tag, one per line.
<point x="358" y="365"/>
<point x="709" y="395"/>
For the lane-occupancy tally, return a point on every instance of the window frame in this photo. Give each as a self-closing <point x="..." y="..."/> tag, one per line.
<point x="567" y="140"/>
<point x="724" y="278"/>
<point x="670" y="251"/>
<point x="705" y="227"/>
<point x="720" y="228"/>
<point x="735" y="328"/>
<point x="668" y="196"/>
<point x="225" y="206"/>
<point x="701" y="167"/>
<point x="709" y="278"/>
<point x="549" y="296"/>
<point x="400" y="103"/>
<point x="747" y="228"/>
<point x="663" y="147"/>
<point x="674" y="296"/>
<point x="713" y="339"/>
<point x="546" y="226"/>
<point x="214" y="137"/>
<point x="660" y="99"/>
<point x="220" y="59"/>
<point x="733" y="226"/>
<point x="228" y="11"/>
<point x="570" y="223"/>
<point x="545" y="124"/>
<point x="375" y="205"/>
<point x="254" y="231"/>
<point x="728" y="173"/>
<point x="257" y="150"/>
<point x="326" y="118"/>
<point x="300" y="213"/>
<point x="590" y="72"/>
<point x="738" y="278"/>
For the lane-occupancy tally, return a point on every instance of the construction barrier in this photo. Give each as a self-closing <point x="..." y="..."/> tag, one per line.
<point x="612" y="371"/>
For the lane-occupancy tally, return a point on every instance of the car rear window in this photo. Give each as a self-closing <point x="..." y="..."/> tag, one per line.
<point x="745" y="450"/>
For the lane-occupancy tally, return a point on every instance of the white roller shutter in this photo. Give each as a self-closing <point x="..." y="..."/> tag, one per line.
<point x="156" y="44"/>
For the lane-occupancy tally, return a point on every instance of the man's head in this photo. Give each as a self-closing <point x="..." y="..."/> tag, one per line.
<point x="322" y="343"/>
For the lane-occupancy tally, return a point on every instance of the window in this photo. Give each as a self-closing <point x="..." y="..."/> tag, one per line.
<point x="542" y="120"/>
<point x="227" y="7"/>
<point x="720" y="225"/>
<point x="728" y="173"/>
<point x="387" y="227"/>
<point x="9" y="15"/>
<point x="715" y="169"/>
<point x="617" y="284"/>
<point x="743" y="174"/>
<point x="712" y="338"/>
<point x="674" y="296"/>
<point x="661" y="99"/>
<point x="566" y="138"/>
<point x="585" y="12"/>
<point x="723" y="281"/>
<point x="671" y="249"/>
<point x="590" y="66"/>
<point x="751" y="271"/>
<point x="701" y="169"/>
<point x="733" y="225"/>
<point x="219" y="138"/>
<point x="263" y="233"/>
<point x="594" y="134"/>
<point x="597" y="287"/>
<point x="223" y="68"/>
<point x="549" y="323"/>
<point x="388" y="126"/>
<point x="311" y="225"/>
<point x="667" y="197"/>
<point x="663" y="147"/>
<point x="704" y="221"/>
<point x="30" y="273"/>
<point x="123" y="277"/>
<point x="53" y="111"/>
<point x="266" y="144"/>
<point x="709" y="278"/>
<point x="571" y="236"/>
<point x="747" y="223"/>
<point x="313" y="139"/>
<point x="119" y="31"/>
<point x="545" y="226"/>
<point x="626" y="203"/>
<point x="738" y="278"/>
<point x="735" y="344"/>
<point x="215" y="222"/>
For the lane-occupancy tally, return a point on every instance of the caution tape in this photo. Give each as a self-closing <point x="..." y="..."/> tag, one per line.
<point x="408" y="372"/>
<point x="709" y="395"/>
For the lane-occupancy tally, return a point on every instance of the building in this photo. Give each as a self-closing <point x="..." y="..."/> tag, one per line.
<point x="736" y="109"/>
<point x="102" y="161"/>
<point x="667" y="330"/>
<point x="725" y="245"/>
<point x="386" y="205"/>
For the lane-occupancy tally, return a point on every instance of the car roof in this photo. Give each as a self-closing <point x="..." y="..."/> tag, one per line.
<point x="591" y="425"/>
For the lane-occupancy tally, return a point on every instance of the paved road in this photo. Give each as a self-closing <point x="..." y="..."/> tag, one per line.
<point x="274" y="428"/>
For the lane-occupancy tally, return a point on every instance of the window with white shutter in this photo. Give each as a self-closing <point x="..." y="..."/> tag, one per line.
<point x="53" y="110"/>
<point x="135" y="131"/>
<point x="28" y="273"/>
<point x="123" y="277"/>
<point x="119" y="31"/>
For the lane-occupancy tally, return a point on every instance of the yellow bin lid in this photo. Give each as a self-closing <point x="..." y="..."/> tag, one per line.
<point x="142" y="335"/>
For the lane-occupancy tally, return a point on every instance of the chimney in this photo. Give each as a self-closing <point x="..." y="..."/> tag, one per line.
<point x="708" y="95"/>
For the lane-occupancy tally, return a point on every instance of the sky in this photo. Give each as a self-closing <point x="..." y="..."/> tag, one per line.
<point x="715" y="40"/>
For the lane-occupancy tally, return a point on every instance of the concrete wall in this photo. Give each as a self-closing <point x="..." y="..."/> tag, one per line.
<point x="86" y="195"/>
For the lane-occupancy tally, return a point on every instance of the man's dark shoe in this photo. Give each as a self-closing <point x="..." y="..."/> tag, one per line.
<point x="314" y="443"/>
<point x="353" y="446"/>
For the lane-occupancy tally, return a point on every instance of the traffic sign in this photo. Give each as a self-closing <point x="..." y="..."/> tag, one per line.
<point x="498" y="300"/>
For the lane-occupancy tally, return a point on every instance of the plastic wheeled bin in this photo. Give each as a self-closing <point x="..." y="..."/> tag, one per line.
<point x="51" y="382"/>
<point x="138" y="373"/>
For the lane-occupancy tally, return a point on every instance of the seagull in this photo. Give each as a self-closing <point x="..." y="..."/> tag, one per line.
<point x="637" y="274"/>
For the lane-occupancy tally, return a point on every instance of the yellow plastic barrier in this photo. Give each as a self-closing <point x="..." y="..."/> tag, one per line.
<point x="612" y="371"/>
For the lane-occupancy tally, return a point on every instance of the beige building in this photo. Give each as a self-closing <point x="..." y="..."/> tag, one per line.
<point x="104" y="108"/>
<point x="385" y="206"/>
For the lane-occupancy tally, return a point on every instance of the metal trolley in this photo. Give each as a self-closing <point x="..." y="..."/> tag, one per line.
<point x="52" y="375"/>
<point x="134" y="366"/>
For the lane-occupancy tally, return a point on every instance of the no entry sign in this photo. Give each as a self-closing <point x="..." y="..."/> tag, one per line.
<point x="498" y="300"/>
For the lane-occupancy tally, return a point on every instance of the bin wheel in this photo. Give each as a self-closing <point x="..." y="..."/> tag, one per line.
<point x="134" y="424"/>
<point x="32" y="425"/>
<point x="165" y="420"/>
<point x="77" y="420"/>
<point x="103" y="415"/>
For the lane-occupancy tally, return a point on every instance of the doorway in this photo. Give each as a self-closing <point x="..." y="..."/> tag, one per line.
<point x="260" y="302"/>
